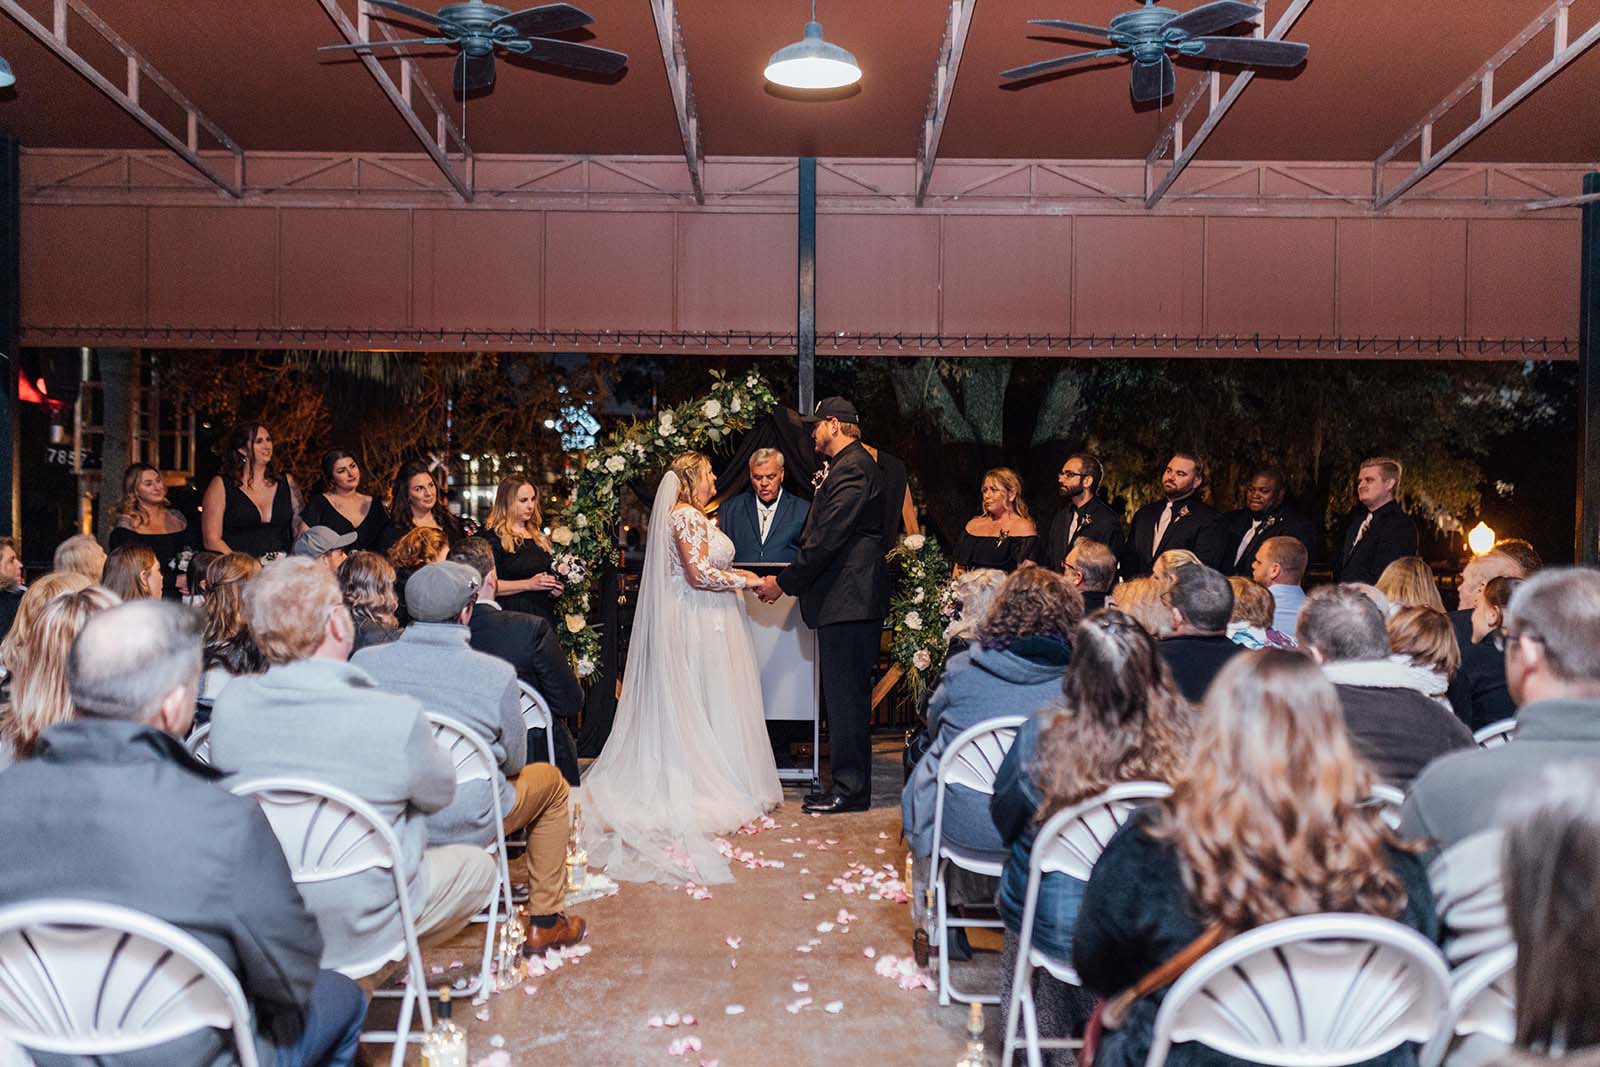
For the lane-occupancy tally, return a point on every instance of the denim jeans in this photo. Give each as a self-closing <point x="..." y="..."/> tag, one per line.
<point x="333" y="1025"/>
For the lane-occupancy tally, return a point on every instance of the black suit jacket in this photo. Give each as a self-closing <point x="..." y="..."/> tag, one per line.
<point x="892" y="475"/>
<point x="838" y="571"/>
<point x="1392" y="534"/>
<point x="530" y="645"/>
<point x="1277" y="522"/>
<point x="738" y="519"/>
<point x="1195" y="526"/>
<point x="1100" y="523"/>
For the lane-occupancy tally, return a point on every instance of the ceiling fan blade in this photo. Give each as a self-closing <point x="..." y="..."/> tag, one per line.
<point x="1046" y="65"/>
<point x="547" y="18"/>
<point x="1153" y="81"/>
<point x="584" y="57"/>
<point x="1075" y="27"/>
<point x="473" y="72"/>
<point x="390" y="44"/>
<point x="410" y="12"/>
<point x="1209" y="18"/>
<point x="1250" y="50"/>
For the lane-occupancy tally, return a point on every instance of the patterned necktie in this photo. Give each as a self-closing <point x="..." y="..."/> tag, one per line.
<point x="1249" y="535"/>
<point x="1161" y="526"/>
<point x="1360" y="533"/>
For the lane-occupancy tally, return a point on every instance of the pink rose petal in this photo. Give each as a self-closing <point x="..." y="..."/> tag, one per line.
<point x="869" y="952"/>
<point x="833" y="1007"/>
<point x="794" y="1006"/>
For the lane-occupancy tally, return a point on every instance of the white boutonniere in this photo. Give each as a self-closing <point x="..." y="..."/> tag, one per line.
<point x="818" y="478"/>
<point x="1270" y="523"/>
<point x="1182" y="512"/>
<point x="1084" y="521"/>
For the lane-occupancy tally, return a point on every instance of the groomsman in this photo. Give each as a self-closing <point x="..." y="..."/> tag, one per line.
<point x="1082" y="515"/>
<point x="764" y="522"/>
<point x="1378" y="532"/>
<point x="1183" y="520"/>
<point x="1264" y="515"/>
<point x="843" y="585"/>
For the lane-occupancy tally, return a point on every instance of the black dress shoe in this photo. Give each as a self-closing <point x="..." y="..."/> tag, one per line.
<point x="835" y="805"/>
<point x="816" y="796"/>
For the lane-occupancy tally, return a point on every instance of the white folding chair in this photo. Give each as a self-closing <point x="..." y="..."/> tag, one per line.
<point x="1481" y="1002"/>
<point x="1389" y="801"/>
<point x="85" y="978"/>
<point x="972" y="760"/>
<point x="1069" y="843"/>
<point x="536" y="715"/>
<point x="474" y="762"/>
<point x="199" y="743"/>
<point x="1311" y="991"/>
<point x="1496" y="733"/>
<point x="326" y="834"/>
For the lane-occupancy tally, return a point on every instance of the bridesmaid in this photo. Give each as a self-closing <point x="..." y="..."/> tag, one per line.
<point x="415" y="504"/>
<point x="522" y="551"/>
<point x="342" y="507"/>
<point x="145" y="520"/>
<point x="250" y="506"/>
<point x="1002" y="534"/>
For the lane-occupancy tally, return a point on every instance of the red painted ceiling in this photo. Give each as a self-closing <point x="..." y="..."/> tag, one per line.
<point x="1375" y="67"/>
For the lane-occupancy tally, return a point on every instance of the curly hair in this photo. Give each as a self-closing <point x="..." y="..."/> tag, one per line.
<point x="128" y="513"/>
<point x="1009" y="482"/>
<point x="39" y="696"/>
<point x="1122" y="718"/>
<point x="367" y="581"/>
<point x="419" y="547"/>
<point x="1033" y="602"/>
<point x="1269" y="814"/>
<point x="228" y="643"/>
<point x="689" y="466"/>
<point x="239" y="459"/>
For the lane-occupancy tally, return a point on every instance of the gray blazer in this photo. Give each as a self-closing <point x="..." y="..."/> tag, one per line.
<point x="328" y="721"/>
<point x="432" y="662"/>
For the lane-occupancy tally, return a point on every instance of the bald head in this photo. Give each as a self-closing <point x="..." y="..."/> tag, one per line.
<point x="1484" y="569"/>
<point x="139" y="662"/>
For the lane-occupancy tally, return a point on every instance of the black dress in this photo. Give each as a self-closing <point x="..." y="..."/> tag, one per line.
<point x="168" y="547"/>
<point x="242" y="528"/>
<point x="528" y="560"/>
<point x="452" y="528"/>
<point x="1003" y="552"/>
<point x="319" y="511"/>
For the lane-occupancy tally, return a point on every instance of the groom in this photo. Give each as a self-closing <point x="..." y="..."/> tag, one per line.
<point x="843" y="585"/>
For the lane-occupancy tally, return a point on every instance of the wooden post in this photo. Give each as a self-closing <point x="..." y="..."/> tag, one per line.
<point x="10" y="330"/>
<point x="1587" y="527"/>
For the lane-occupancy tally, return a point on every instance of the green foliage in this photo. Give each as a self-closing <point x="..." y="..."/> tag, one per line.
<point x="919" y="609"/>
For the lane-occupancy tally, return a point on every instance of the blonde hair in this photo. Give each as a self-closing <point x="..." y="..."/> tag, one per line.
<point x="128" y="512"/>
<point x="287" y="605"/>
<point x="39" y="695"/>
<point x="40" y="593"/>
<point x="366" y="580"/>
<point x="1169" y="561"/>
<point x="1426" y="638"/>
<point x="1391" y="469"/>
<point x="499" y="520"/>
<point x="125" y="570"/>
<point x="688" y="466"/>
<point x="1252" y="604"/>
<point x="83" y="554"/>
<point x="974" y="590"/>
<point x="419" y="547"/>
<point x="1143" y="598"/>
<point x="1008" y="480"/>
<point x="1408" y="583"/>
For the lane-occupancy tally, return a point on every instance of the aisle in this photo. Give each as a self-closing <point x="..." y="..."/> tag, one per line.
<point x="808" y="989"/>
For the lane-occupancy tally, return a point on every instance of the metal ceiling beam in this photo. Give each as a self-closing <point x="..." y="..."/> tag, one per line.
<point x="437" y="142"/>
<point x="139" y="70"/>
<point x="944" y="84"/>
<point x="1562" y="201"/>
<point x="1564" y="49"/>
<point x="1221" y="103"/>
<point x="669" y="33"/>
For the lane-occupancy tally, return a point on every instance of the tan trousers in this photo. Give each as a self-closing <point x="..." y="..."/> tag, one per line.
<point x="459" y="880"/>
<point x="541" y="806"/>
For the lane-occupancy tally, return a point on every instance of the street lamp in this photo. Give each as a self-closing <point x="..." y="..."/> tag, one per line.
<point x="1480" y="539"/>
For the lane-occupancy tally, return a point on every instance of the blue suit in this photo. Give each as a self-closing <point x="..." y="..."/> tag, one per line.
<point x="738" y="520"/>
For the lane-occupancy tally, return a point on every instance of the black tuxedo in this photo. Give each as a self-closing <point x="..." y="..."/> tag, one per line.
<point x="1391" y="535"/>
<point x="1194" y="526"/>
<point x="530" y="645"/>
<point x="1099" y="523"/>
<point x="843" y="585"/>
<point x="1275" y="522"/>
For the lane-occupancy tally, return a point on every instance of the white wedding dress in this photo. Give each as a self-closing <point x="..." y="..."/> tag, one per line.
<point x="688" y="754"/>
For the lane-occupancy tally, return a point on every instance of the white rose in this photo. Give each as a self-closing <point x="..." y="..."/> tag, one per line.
<point x="711" y="408"/>
<point x="592" y="465"/>
<point x="585" y="666"/>
<point x="914" y="542"/>
<point x="561" y="535"/>
<point x="575" y="624"/>
<point x="913" y="620"/>
<point x="583" y="520"/>
<point x="664" y="427"/>
<point x="921" y="660"/>
<point x="733" y="406"/>
<point x="919" y="596"/>
<point x="614" y="464"/>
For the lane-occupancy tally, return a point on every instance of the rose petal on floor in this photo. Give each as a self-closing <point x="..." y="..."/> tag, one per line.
<point x="833" y="1007"/>
<point x="733" y="1009"/>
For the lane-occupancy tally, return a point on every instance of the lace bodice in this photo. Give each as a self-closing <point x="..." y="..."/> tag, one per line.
<point x="704" y="552"/>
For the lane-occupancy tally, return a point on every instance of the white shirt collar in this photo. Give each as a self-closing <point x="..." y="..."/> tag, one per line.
<point x="775" y="502"/>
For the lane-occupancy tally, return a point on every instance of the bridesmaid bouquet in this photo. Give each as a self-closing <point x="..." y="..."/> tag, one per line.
<point x="569" y="568"/>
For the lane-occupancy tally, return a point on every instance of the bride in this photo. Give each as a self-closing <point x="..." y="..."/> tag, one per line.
<point x="688" y="755"/>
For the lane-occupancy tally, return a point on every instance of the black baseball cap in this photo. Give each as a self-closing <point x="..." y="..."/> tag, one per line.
<point x="834" y="407"/>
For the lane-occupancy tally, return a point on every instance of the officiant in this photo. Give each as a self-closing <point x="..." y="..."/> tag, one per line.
<point x="764" y="522"/>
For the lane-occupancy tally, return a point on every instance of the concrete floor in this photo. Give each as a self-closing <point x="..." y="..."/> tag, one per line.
<point x="657" y="950"/>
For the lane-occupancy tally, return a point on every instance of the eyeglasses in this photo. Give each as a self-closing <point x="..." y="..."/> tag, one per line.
<point x="1066" y="473"/>
<point x="1069" y="567"/>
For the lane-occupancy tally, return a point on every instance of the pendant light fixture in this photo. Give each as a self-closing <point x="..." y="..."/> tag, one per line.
<point x="812" y="63"/>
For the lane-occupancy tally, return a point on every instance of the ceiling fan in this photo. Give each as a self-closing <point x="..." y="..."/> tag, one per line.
<point x="1148" y="33"/>
<point x="478" y="29"/>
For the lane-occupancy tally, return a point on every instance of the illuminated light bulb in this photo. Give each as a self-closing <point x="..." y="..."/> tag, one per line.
<point x="1480" y="539"/>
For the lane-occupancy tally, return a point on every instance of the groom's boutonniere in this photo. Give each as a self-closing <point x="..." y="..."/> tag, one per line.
<point x="1182" y="512"/>
<point x="818" y="478"/>
<point x="1084" y="521"/>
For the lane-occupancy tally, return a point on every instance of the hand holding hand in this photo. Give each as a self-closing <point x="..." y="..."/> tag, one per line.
<point x="750" y="578"/>
<point x="548" y="583"/>
<point x="768" y="590"/>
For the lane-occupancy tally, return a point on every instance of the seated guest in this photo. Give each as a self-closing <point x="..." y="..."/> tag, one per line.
<point x="1280" y="566"/>
<point x="39" y="697"/>
<point x="1250" y="625"/>
<point x="82" y="554"/>
<point x="1552" y="629"/>
<point x="115" y="783"/>
<point x="195" y="577"/>
<point x="312" y="715"/>
<point x="414" y="504"/>
<point x="414" y="550"/>
<point x="764" y="522"/>
<point x="1091" y="567"/>
<point x="146" y="518"/>
<point x="1272" y="765"/>
<point x="1522" y="553"/>
<point x="11" y="587"/>
<point x="973" y="593"/>
<point x="1393" y="724"/>
<point x="1169" y="561"/>
<point x="431" y="661"/>
<point x="324" y="545"/>
<point x="1483" y="659"/>
<point x="1474" y="577"/>
<point x="40" y="593"/>
<point x="1422" y="639"/>
<point x="1121" y="720"/>
<point x="1408" y="583"/>
<point x="1015" y="669"/>
<point x="1144" y="599"/>
<point x="230" y="649"/>
<point x="1200" y="602"/>
<point x="530" y="645"/>
<point x="1002" y="535"/>
<point x="366" y="581"/>
<point x="132" y="572"/>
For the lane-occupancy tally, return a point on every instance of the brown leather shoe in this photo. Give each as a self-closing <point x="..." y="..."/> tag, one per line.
<point x="567" y="931"/>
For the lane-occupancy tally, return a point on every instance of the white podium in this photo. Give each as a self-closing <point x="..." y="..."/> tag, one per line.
<point x="786" y="651"/>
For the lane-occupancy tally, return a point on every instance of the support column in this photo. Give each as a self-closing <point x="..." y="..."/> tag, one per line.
<point x="1587" y="527"/>
<point x="10" y="331"/>
<point x="806" y="327"/>
<point x="118" y="379"/>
